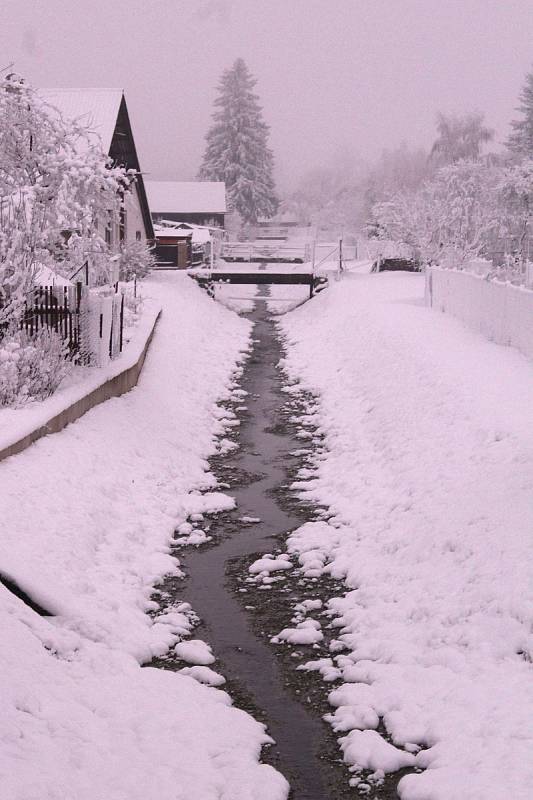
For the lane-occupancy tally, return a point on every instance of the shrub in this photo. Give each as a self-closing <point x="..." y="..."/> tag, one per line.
<point x="31" y="368"/>
<point x="135" y="260"/>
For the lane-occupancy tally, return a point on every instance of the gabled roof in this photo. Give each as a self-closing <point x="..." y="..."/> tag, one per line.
<point x="105" y="112"/>
<point x="97" y="108"/>
<point x="186" y="197"/>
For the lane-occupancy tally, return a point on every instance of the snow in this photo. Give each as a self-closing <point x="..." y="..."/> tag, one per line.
<point x="369" y="750"/>
<point x="172" y="233"/>
<point x="194" y="651"/>
<point x="97" y="108"/>
<point x="306" y="632"/>
<point x="264" y="565"/>
<point x="47" y="277"/>
<point x="204" y="675"/>
<point x="501" y="311"/>
<point x="88" y="515"/>
<point x="427" y="469"/>
<point x="17" y="423"/>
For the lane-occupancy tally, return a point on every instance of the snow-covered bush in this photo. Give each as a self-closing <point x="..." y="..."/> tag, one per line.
<point x="135" y="260"/>
<point x="450" y="218"/>
<point x="133" y="304"/>
<point x="515" y="195"/>
<point x="57" y="192"/>
<point x="31" y="367"/>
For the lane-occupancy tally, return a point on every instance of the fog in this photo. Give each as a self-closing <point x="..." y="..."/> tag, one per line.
<point x="335" y="78"/>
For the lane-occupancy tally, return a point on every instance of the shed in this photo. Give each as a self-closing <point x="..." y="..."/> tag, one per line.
<point x="173" y="248"/>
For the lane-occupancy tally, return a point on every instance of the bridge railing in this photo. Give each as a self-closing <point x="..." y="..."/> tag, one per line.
<point x="262" y="251"/>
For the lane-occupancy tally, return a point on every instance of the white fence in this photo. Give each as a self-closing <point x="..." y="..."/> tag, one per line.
<point x="501" y="312"/>
<point x="104" y="320"/>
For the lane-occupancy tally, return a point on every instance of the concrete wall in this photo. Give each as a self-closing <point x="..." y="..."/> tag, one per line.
<point x="113" y="387"/>
<point x="501" y="312"/>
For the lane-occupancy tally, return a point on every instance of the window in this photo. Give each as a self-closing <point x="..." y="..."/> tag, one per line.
<point x="138" y="236"/>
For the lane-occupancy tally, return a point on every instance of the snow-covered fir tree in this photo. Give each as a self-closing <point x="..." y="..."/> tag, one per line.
<point x="520" y="141"/>
<point x="237" y="149"/>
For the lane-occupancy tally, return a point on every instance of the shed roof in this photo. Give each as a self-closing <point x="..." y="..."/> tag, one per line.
<point x="186" y="197"/>
<point x="172" y="233"/>
<point x="97" y="108"/>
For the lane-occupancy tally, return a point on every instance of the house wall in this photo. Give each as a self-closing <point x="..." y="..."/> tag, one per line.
<point x="134" y="217"/>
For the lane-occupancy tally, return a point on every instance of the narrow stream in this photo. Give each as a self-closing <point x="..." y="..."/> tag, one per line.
<point x="238" y="616"/>
<point x="248" y="662"/>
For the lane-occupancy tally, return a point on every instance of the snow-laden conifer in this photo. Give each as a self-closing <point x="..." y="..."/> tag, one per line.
<point x="237" y="149"/>
<point x="521" y="139"/>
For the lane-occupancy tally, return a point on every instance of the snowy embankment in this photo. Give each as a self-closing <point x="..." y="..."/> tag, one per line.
<point x="429" y="473"/>
<point x="18" y="423"/>
<point x="87" y="518"/>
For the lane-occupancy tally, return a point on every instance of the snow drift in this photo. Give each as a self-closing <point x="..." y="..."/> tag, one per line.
<point x="428" y="470"/>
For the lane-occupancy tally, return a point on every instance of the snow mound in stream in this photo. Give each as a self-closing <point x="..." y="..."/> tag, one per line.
<point x="194" y="651"/>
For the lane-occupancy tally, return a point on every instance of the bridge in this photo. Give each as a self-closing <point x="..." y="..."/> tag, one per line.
<point x="266" y="251"/>
<point x="301" y="276"/>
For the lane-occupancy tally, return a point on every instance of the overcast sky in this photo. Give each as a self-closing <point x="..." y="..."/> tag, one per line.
<point x="333" y="75"/>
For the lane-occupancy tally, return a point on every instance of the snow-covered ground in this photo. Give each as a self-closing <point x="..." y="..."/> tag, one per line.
<point x="87" y="517"/>
<point x="16" y="423"/>
<point x="429" y="473"/>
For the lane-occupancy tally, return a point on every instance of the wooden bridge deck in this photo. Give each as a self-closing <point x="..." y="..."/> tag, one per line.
<point x="292" y="275"/>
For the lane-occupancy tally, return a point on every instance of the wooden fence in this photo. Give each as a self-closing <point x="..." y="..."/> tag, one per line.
<point x="91" y="325"/>
<point x="57" y="308"/>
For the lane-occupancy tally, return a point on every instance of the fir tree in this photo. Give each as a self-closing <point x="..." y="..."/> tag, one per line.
<point x="237" y="149"/>
<point x="521" y="139"/>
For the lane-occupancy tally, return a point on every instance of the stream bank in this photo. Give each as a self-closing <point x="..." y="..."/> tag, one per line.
<point x="238" y="616"/>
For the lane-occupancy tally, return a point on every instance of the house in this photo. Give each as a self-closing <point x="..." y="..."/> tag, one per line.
<point x="197" y="202"/>
<point x="105" y="112"/>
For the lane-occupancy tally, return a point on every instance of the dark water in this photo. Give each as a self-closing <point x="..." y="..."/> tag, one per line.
<point x="247" y="661"/>
<point x="260" y="677"/>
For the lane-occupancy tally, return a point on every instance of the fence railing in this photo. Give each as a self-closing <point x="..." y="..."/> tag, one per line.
<point x="57" y="308"/>
<point x="263" y="251"/>
<point x="91" y="324"/>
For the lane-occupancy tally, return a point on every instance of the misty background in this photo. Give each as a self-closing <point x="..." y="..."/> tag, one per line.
<point x="339" y="81"/>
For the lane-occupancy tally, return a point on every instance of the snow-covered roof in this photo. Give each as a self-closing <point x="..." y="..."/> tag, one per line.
<point x="201" y="235"/>
<point x="171" y="233"/>
<point x="186" y="197"/>
<point x="46" y="276"/>
<point x="97" y="108"/>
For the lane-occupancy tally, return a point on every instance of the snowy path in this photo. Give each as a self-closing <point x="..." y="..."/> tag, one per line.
<point x="87" y="515"/>
<point x="429" y="474"/>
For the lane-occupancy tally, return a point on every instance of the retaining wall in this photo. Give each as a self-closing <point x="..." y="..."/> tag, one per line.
<point x="501" y="312"/>
<point x="120" y="376"/>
